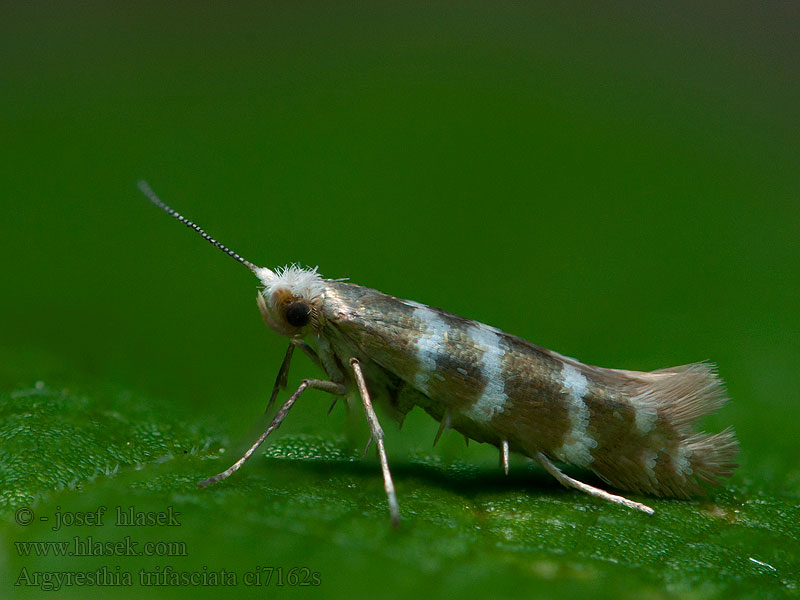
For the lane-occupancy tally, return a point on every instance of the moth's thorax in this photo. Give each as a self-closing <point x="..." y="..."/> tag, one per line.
<point x="291" y="299"/>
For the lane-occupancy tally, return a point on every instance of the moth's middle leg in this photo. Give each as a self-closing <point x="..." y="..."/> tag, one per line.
<point x="376" y="433"/>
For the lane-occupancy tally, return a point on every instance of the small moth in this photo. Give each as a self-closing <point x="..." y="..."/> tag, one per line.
<point x="632" y="429"/>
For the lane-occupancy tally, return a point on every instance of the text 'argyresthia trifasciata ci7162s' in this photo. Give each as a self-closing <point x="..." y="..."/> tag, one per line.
<point x="633" y="429"/>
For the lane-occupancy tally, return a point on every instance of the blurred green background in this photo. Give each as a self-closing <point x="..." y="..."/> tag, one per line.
<point x="616" y="182"/>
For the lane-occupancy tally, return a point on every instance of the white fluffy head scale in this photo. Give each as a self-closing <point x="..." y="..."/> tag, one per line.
<point x="298" y="281"/>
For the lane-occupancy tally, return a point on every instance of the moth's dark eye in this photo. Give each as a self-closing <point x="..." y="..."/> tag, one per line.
<point x="297" y="314"/>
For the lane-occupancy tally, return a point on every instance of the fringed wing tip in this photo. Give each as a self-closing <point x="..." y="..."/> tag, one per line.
<point x="673" y="459"/>
<point x="712" y="456"/>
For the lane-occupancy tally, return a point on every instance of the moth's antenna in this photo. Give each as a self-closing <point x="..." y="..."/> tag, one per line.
<point x="147" y="191"/>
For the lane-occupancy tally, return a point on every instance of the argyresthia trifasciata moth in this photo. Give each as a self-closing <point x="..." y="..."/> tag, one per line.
<point x="633" y="429"/>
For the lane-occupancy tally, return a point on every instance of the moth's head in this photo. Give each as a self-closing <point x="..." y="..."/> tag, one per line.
<point x="291" y="300"/>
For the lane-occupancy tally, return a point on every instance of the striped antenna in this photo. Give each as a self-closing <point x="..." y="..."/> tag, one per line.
<point x="147" y="191"/>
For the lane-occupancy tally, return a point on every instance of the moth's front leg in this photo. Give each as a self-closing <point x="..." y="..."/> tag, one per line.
<point x="376" y="433"/>
<point x="283" y="372"/>
<point x="331" y="387"/>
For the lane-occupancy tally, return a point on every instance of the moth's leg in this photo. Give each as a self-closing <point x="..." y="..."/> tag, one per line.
<point x="319" y="384"/>
<point x="504" y="456"/>
<point x="567" y="481"/>
<point x="309" y="352"/>
<point x="377" y="435"/>
<point x="443" y="426"/>
<point x="329" y="363"/>
<point x="328" y="360"/>
<point x="281" y="379"/>
<point x="283" y="372"/>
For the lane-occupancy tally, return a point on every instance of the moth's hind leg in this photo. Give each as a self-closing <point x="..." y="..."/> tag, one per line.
<point x="377" y="434"/>
<point x="568" y="481"/>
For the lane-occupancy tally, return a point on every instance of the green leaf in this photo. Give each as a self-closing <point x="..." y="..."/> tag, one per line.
<point x="312" y="503"/>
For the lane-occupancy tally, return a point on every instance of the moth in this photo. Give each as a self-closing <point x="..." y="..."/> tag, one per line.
<point x="634" y="430"/>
